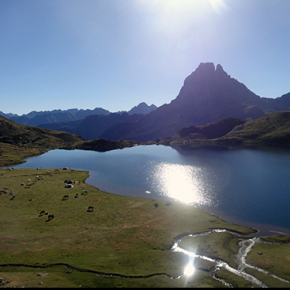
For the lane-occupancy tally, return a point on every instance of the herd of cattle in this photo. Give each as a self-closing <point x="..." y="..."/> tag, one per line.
<point x="66" y="197"/>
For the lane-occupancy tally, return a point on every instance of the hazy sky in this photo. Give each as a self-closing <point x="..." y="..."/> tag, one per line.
<point x="114" y="54"/>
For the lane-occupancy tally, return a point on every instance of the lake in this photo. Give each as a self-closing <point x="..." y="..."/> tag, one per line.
<point x="246" y="186"/>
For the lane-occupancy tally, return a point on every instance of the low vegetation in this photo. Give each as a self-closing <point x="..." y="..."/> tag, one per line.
<point x="127" y="238"/>
<point x="123" y="235"/>
<point x="18" y="142"/>
<point x="271" y="130"/>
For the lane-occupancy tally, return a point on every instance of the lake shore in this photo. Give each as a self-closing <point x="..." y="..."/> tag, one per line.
<point x="263" y="230"/>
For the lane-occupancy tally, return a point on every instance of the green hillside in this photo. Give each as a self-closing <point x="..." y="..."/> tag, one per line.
<point x="271" y="130"/>
<point x="18" y="142"/>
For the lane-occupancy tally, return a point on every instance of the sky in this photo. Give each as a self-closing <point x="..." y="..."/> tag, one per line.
<point x="115" y="54"/>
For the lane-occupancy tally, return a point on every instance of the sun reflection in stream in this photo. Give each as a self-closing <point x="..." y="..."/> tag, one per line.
<point x="181" y="182"/>
<point x="189" y="269"/>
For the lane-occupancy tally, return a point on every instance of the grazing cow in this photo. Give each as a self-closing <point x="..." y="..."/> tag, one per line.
<point x="42" y="213"/>
<point x="84" y="192"/>
<point x="65" y="197"/>
<point x="50" y="217"/>
<point x="156" y="204"/>
<point x="90" y="208"/>
<point x="76" y="195"/>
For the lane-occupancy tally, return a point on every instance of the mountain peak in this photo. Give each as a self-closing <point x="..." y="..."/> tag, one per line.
<point x="205" y="68"/>
<point x="220" y="71"/>
<point x="209" y="67"/>
<point x="206" y="72"/>
<point x="219" y="68"/>
<point x="142" y="108"/>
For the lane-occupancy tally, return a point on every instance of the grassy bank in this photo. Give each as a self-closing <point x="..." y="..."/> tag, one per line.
<point x="126" y="236"/>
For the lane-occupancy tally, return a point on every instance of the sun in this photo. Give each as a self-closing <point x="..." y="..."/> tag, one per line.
<point x="218" y="5"/>
<point x="176" y="17"/>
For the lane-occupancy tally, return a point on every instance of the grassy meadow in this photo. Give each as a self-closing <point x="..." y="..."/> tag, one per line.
<point x="128" y="237"/>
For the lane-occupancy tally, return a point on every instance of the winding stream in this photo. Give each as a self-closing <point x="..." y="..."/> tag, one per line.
<point x="246" y="244"/>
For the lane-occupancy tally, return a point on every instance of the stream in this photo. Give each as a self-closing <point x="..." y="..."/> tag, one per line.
<point x="246" y="243"/>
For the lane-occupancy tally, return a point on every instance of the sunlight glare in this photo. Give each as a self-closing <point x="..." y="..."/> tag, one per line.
<point x="218" y="5"/>
<point x="181" y="182"/>
<point x="174" y="17"/>
<point x="189" y="269"/>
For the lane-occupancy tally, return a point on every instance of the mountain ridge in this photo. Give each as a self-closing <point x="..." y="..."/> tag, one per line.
<point x="69" y="120"/>
<point x="208" y="94"/>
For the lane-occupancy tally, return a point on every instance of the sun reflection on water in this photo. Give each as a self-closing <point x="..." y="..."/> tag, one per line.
<point x="181" y="182"/>
<point x="189" y="269"/>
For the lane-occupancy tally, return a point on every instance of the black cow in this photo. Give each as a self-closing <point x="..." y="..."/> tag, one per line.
<point x="90" y="209"/>
<point x="50" y="217"/>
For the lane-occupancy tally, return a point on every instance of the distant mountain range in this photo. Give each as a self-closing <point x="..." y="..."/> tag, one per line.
<point x="42" y="117"/>
<point x="94" y="125"/>
<point x="208" y="95"/>
<point x="69" y="120"/>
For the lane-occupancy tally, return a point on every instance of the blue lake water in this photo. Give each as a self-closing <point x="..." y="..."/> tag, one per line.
<point x="250" y="187"/>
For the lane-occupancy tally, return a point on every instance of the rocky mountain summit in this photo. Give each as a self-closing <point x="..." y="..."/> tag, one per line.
<point x="142" y="108"/>
<point x="208" y="95"/>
